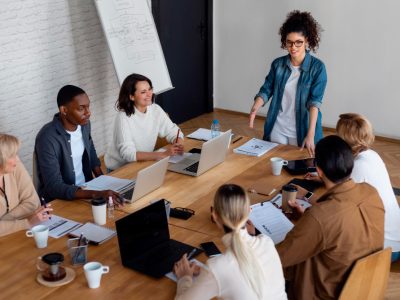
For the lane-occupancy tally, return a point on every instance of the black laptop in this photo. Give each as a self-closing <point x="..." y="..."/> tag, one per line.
<point x="145" y="244"/>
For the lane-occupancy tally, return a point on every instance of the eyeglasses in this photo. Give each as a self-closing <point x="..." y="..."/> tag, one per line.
<point x="297" y="44"/>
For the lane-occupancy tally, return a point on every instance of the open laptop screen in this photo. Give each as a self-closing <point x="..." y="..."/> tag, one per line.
<point x="142" y="231"/>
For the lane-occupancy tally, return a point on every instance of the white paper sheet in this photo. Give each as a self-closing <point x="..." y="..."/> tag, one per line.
<point x="171" y="275"/>
<point x="59" y="226"/>
<point x="255" y="147"/>
<point x="176" y="158"/>
<point x="201" y="134"/>
<point x="271" y="221"/>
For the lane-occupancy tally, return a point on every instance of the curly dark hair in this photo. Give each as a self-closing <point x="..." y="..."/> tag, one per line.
<point x="128" y="88"/>
<point x="303" y="22"/>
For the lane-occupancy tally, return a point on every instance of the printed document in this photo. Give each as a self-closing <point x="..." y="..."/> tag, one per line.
<point x="255" y="147"/>
<point x="271" y="221"/>
<point x="59" y="226"/>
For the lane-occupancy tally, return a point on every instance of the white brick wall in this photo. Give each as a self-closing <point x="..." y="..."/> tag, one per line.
<point x="45" y="44"/>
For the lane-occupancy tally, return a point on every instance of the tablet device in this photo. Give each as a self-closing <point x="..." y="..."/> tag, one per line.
<point x="301" y="166"/>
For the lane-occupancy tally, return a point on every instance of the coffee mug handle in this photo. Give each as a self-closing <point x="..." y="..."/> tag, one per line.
<point x="106" y="269"/>
<point x="284" y="162"/>
<point x="29" y="233"/>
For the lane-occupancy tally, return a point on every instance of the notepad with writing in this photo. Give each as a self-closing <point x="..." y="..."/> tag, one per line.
<point x="271" y="221"/>
<point x="96" y="234"/>
<point x="255" y="147"/>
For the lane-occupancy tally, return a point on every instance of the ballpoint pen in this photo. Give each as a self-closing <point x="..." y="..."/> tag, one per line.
<point x="238" y="139"/>
<point x="177" y="136"/>
<point x="43" y="203"/>
<point x="189" y="257"/>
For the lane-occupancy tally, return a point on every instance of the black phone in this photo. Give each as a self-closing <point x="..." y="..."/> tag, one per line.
<point x="195" y="150"/>
<point x="210" y="249"/>
<point x="308" y="195"/>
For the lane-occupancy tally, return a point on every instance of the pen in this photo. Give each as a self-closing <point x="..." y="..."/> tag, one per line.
<point x="43" y="203"/>
<point x="238" y="139"/>
<point x="177" y="135"/>
<point x="189" y="257"/>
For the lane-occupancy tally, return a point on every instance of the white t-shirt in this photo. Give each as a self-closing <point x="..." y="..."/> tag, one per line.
<point x="370" y="168"/>
<point x="285" y="123"/>
<point x="77" y="149"/>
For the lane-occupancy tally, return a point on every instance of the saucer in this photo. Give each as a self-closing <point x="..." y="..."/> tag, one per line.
<point x="67" y="279"/>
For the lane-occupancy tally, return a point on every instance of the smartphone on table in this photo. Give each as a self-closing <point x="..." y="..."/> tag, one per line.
<point x="210" y="249"/>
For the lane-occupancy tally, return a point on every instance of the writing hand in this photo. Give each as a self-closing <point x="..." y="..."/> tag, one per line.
<point x="40" y="215"/>
<point x="184" y="268"/>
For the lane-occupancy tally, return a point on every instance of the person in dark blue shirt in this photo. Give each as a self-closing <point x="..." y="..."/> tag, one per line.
<point x="64" y="150"/>
<point x="295" y="84"/>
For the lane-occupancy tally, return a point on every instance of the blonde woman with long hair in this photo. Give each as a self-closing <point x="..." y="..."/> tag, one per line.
<point x="250" y="267"/>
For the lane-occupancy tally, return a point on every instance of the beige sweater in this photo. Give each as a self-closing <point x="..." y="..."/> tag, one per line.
<point x="22" y="198"/>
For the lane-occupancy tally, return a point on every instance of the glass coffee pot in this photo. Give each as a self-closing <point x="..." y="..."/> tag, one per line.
<point x="50" y="266"/>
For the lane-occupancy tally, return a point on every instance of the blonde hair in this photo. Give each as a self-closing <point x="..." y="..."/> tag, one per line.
<point x="232" y="206"/>
<point x="356" y="130"/>
<point x="9" y="146"/>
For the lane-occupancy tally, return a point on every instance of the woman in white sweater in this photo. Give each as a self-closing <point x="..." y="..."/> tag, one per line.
<point x="250" y="268"/>
<point x="138" y="124"/>
<point x="357" y="131"/>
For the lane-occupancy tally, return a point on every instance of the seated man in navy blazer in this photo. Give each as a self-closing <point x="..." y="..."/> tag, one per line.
<point x="64" y="149"/>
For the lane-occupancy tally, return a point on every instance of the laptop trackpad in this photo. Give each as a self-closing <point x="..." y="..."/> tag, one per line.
<point x="194" y="158"/>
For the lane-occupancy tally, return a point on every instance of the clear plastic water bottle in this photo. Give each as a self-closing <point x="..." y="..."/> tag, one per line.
<point x="110" y="208"/>
<point x="215" y="129"/>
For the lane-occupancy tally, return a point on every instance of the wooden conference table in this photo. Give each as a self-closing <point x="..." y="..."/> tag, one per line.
<point x="18" y="253"/>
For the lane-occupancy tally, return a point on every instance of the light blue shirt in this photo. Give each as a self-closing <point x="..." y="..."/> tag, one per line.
<point x="310" y="91"/>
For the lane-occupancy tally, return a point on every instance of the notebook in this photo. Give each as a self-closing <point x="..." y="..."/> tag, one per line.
<point x="255" y="147"/>
<point x="96" y="234"/>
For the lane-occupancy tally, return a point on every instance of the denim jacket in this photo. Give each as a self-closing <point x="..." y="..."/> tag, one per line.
<point x="310" y="91"/>
<point x="54" y="160"/>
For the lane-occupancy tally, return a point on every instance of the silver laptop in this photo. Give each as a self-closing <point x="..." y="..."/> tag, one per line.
<point x="213" y="152"/>
<point x="147" y="181"/>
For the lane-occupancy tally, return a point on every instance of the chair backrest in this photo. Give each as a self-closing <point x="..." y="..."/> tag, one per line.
<point x="369" y="277"/>
<point x="35" y="173"/>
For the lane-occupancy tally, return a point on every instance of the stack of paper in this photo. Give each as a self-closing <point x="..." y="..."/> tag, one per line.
<point x="255" y="147"/>
<point x="271" y="221"/>
<point x="105" y="182"/>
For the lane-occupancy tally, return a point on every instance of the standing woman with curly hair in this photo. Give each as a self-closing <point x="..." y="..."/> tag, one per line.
<point x="295" y="84"/>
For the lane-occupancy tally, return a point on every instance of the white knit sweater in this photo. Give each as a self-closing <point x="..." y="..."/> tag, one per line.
<point x="138" y="133"/>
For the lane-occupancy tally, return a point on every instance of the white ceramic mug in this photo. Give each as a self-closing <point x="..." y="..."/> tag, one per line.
<point x="40" y="233"/>
<point x="99" y="209"/>
<point x="93" y="272"/>
<point x="276" y="165"/>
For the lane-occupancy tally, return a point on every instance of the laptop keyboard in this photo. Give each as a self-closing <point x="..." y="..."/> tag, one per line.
<point x="193" y="168"/>
<point x="128" y="194"/>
